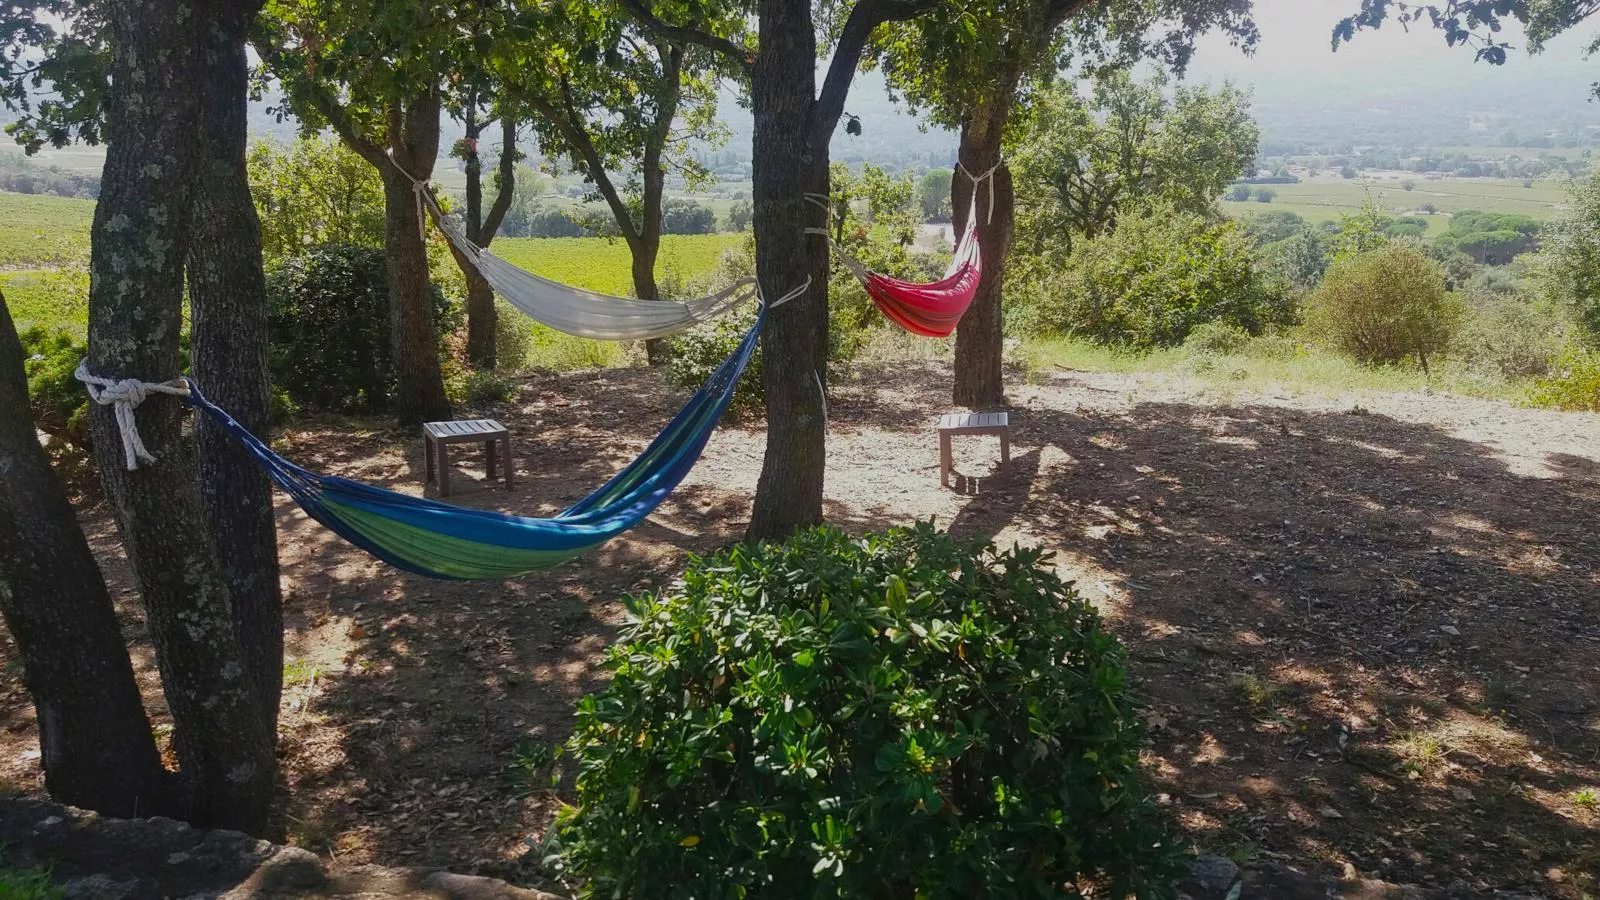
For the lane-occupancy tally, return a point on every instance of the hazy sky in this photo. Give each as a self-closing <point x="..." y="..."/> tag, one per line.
<point x="1296" y="36"/>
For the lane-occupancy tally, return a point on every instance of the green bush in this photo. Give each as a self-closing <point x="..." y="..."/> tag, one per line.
<point x="1384" y="304"/>
<point x="328" y="317"/>
<point x="1511" y="338"/>
<point x="1150" y="282"/>
<point x="58" y="402"/>
<point x="694" y="354"/>
<point x="1573" y="384"/>
<point x="1217" y="339"/>
<point x="482" y="388"/>
<point x="896" y="715"/>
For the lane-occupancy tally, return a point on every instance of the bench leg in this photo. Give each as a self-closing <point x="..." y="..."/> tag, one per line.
<point x="442" y="460"/>
<point x="489" y="448"/>
<point x="1005" y="450"/>
<point x="505" y="459"/>
<point x="427" y="461"/>
<point x="947" y="461"/>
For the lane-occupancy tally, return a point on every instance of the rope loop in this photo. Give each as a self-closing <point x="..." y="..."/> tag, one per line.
<point x="976" y="180"/>
<point x="790" y="296"/>
<point x="123" y="395"/>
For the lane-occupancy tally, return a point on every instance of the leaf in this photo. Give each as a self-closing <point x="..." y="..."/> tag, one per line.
<point x="690" y="841"/>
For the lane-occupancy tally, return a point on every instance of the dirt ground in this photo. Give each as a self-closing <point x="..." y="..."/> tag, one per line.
<point x="1367" y="628"/>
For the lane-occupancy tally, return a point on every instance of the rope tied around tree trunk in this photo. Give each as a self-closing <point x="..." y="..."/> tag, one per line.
<point x="123" y="395"/>
<point x="976" y="179"/>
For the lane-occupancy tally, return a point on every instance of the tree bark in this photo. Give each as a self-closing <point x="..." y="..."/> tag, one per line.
<point x="141" y="232"/>
<point x="95" y="742"/>
<point x="227" y="295"/>
<point x="789" y="160"/>
<point x="482" y="316"/>
<point x="414" y="137"/>
<point x="980" y="339"/>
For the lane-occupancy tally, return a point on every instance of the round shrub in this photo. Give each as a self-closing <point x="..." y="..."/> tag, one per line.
<point x="328" y="321"/>
<point x="1216" y="339"/>
<point x="1383" y="305"/>
<point x="896" y="715"/>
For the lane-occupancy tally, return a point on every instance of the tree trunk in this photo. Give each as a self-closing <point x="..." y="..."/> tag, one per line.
<point x="419" y="393"/>
<point x="94" y="737"/>
<point x="482" y="320"/>
<point x="788" y="162"/>
<point x="227" y="295"/>
<point x="979" y="339"/>
<point x="645" y="250"/>
<point x="140" y="236"/>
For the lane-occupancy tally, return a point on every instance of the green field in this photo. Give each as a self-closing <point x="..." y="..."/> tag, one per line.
<point x="1324" y="201"/>
<point x="38" y="230"/>
<point x="603" y="265"/>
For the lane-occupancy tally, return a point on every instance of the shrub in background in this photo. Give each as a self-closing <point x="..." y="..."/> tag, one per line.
<point x="328" y="320"/>
<point x="1573" y="383"/>
<point x="1217" y="339"/>
<point x="1383" y="305"/>
<point x="897" y="715"/>
<point x="1511" y="338"/>
<point x="1150" y="282"/>
<point x="57" y="400"/>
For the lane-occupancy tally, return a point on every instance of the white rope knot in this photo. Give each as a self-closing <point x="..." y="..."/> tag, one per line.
<point x="123" y="395"/>
<point x="976" y="179"/>
<point x="793" y="293"/>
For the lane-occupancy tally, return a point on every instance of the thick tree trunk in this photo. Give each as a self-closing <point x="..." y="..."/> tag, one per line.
<point x="140" y="236"/>
<point x="414" y="137"/>
<point x="227" y="295"/>
<point x="788" y="162"/>
<point x="979" y="339"/>
<point x="95" y="742"/>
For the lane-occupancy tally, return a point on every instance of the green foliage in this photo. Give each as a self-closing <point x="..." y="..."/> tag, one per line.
<point x="1276" y="225"/>
<point x="1573" y="383"/>
<point x="680" y="216"/>
<point x="1217" y="339"/>
<point x="1085" y="163"/>
<point x="695" y="353"/>
<point x="481" y="388"/>
<point x="1265" y="195"/>
<point x="59" y="405"/>
<point x="1490" y="238"/>
<point x="739" y="215"/>
<point x="1238" y="193"/>
<point x="933" y="195"/>
<point x="1383" y="305"/>
<point x="1150" y="282"/>
<point x="27" y="884"/>
<point x="1567" y="268"/>
<point x="312" y="193"/>
<point x="328" y="318"/>
<point x="1512" y="338"/>
<point x="896" y="715"/>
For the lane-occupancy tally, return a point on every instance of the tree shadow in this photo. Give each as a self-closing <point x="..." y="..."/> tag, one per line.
<point x="1289" y="580"/>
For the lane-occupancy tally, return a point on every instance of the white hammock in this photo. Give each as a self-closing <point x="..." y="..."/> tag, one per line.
<point x="582" y="313"/>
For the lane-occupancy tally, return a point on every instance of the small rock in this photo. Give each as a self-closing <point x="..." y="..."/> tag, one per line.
<point x="1210" y="878"/>
<point x="1450" y="630"/>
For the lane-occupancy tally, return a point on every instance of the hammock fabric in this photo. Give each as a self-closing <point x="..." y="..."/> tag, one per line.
<point x="933" y="309"/>
<point x="450" y="542"/>
<point x="578" y="312"/>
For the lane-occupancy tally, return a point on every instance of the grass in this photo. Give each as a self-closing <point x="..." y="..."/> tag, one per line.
<point x="1303" y="371"/>
<point x="27" y="884"/>
<point x="38" y="230"/>
<point x="47" y="297"/>
<point x="1326" y="201"/>
<point x="603" y="265"/>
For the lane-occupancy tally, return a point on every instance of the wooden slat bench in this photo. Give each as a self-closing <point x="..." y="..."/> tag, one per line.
<point x="438" y="436"/>
<point x="998" y="424"/>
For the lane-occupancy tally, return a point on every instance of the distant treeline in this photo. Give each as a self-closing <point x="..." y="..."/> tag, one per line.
<point x="21" y="175"/>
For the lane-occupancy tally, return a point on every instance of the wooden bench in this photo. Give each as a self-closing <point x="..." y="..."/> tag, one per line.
<point x="438" y="436"/>
<point x="998" y="424"/>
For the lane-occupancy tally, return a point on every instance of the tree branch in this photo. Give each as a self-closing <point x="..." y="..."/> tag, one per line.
<point x="569" y="123"/>
<point x="865" y="16"/>
<point x="339" y="119"/>
<point x="743" y="57"/>
<point x="508" y="180"/>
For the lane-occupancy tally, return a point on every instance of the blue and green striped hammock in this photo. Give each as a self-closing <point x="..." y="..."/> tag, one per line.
<point x="443" y="541"/>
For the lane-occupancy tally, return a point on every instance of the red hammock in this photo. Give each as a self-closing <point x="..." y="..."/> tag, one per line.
<point x="933" y="309"/>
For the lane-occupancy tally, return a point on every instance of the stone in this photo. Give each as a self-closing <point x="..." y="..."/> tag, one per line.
<point x="1210" y="878"/>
